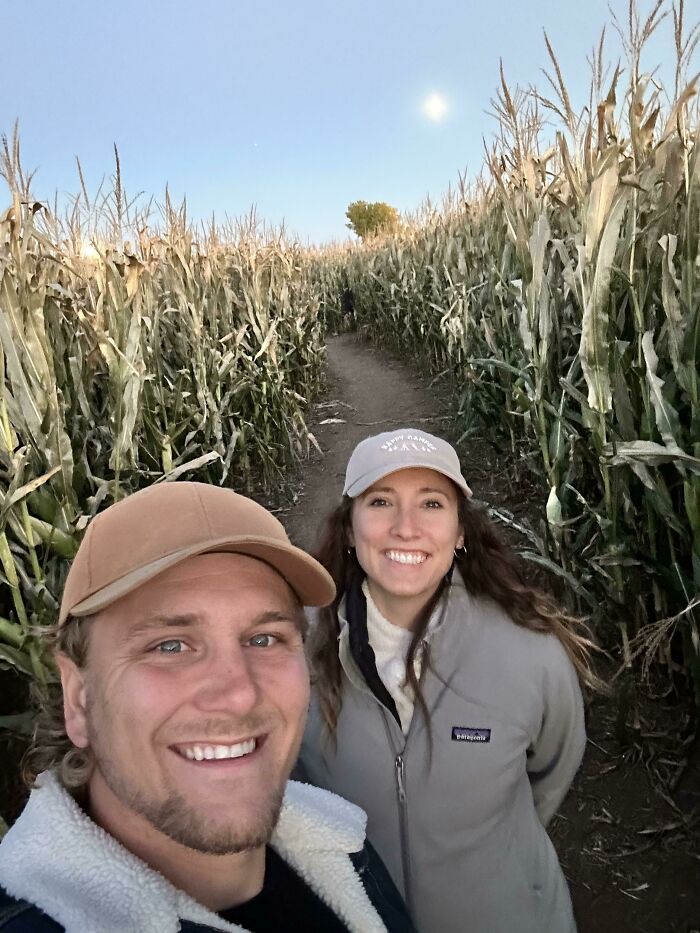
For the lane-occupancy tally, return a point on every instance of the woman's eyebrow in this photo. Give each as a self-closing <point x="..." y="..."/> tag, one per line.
<point x="423" y="489"/>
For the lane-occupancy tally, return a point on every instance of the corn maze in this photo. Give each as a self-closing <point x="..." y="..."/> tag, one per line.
<point x="560" y="292"/>
<point x="562" y="295"/>
<point x="131" y="364"/>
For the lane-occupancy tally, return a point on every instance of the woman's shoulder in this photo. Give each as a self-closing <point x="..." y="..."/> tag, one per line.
<point x="488" y="627"/>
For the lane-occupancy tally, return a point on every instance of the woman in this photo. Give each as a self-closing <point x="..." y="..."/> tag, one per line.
<point x="447" y="702"/>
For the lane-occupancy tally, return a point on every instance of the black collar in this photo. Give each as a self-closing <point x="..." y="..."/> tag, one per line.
<point x="360" y="648"/>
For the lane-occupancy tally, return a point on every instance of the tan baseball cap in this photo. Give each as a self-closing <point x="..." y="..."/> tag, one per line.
<point x="382" y="454"/>
<point x="141" y="536"/>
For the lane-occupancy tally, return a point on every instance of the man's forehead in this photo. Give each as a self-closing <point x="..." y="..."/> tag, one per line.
<point x="141" y="626"/>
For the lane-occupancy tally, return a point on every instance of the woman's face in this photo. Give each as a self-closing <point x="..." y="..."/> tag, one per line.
<point x="405" y="529"/>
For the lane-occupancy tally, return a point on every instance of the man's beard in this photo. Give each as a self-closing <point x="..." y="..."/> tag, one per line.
<point x="173" y="816"/>
<point x="180" y="822"/>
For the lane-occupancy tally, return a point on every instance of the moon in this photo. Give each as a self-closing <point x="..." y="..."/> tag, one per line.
<point x="89" y="252"/>
<point x="435" y="107"/>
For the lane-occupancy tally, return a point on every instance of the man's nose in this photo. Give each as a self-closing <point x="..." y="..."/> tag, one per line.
<point x="228" y="682"/>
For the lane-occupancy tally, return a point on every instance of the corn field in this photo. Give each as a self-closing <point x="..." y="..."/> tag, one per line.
<point x="562" y="295"/>
<point x="560" y="292"/>
<point x="130" y="363"/>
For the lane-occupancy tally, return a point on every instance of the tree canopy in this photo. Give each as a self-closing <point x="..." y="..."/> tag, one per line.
<point x="369" y="218"/>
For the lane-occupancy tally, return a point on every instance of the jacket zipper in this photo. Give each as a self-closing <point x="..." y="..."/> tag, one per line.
<point x="402" y="796"/>
<point x="400" y="774"/>
<point x="403" y="831"/>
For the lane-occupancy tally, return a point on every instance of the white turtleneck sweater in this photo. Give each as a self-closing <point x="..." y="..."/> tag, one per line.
<point x="390" y="644"/>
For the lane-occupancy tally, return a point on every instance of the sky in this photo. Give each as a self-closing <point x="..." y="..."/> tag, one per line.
<point x="298" y="108"/>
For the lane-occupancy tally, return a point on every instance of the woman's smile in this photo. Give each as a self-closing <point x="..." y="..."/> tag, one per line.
<point x="411" y="558"/>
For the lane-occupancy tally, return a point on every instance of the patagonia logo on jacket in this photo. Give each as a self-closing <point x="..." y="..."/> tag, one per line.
<point x="470" y="734"/>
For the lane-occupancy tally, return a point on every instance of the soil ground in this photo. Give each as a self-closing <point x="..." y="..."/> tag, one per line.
<point x="628" y="834"/>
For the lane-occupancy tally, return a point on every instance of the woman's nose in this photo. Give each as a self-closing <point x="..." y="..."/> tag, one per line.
<point x="404" y="524"/>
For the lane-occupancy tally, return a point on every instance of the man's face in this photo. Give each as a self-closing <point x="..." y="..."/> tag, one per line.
<point x="193" y="701"/>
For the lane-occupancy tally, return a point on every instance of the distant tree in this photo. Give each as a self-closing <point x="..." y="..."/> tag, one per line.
<point x="368" y="219"/>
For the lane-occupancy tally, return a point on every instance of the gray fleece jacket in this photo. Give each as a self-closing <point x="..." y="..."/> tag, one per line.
<point x="463" y="834"/>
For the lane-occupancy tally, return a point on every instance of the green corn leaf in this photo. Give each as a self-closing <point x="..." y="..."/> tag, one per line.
<point x="666" y="416"/>
<point x="650" y="454"/>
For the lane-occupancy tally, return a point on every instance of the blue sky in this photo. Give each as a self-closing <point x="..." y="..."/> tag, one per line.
<point x="298" y="107"/>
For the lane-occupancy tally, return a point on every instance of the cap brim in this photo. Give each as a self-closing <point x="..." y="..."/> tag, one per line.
<point x="372" y="476"/>
<point x="310" y="581"/>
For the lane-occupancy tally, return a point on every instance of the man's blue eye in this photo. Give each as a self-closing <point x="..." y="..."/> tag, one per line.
<point x="172" y="646"/>
<point x="262" y="641"/>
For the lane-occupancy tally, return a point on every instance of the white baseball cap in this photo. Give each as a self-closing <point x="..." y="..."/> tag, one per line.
<point x="382" y="454"/>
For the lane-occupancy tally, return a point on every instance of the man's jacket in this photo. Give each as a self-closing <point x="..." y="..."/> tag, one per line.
<point x="60" y="871"/>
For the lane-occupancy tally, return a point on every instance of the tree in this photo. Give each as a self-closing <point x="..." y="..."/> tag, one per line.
<point x="368" y="219"/>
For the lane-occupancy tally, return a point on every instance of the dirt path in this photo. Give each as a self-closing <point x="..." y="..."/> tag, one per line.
<point x="368" y="394"/>
<point x="630" y="850"/>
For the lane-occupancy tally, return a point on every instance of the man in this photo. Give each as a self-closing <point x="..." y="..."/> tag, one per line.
<point x="164" y="802"/>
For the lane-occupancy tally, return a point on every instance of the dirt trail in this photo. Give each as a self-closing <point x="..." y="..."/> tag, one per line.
<point x="632" y="857"/>
<point x="369" y="393"/>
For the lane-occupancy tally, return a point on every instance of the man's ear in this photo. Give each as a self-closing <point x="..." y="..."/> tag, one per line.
<point x="74" y="700"/>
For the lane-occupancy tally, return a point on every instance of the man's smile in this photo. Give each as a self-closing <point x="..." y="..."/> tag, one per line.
<point x="205" y="751"/>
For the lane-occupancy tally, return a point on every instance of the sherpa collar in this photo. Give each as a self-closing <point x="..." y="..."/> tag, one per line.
<point x="57" y="858"/>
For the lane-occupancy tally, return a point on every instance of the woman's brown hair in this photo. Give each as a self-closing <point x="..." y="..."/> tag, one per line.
<point x="489" y="568"/>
